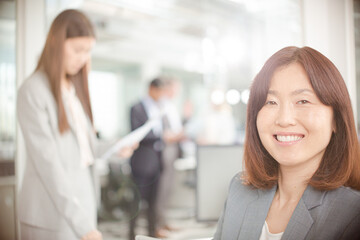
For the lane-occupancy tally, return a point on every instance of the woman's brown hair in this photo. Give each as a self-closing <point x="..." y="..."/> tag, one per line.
<point x="68" y="24"/>
<point x="340" y="164"/>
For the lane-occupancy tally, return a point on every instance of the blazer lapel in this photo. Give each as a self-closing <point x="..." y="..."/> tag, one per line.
<point x="143" y="114"/>
<point x="239" y="198"/>
<point x="92" y="138"/>
<point x="301" y="221"/>
<point x="255" y="215"/>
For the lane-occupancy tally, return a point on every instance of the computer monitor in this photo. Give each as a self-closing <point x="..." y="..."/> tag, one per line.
<point x="216" y="166"/>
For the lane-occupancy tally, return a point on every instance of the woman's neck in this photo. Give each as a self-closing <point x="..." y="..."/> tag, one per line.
<point x="293" y="180"/>
<point x="290" y="187"/>
<point x="292" y="184"/>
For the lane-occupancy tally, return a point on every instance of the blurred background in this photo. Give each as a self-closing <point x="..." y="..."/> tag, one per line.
<point x="213" y="47"/>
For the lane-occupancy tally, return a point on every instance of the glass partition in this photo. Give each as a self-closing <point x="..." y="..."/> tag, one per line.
<point x="7" y="118"/>
<point x="357" y="55"/>
<point x="7" y="80"/>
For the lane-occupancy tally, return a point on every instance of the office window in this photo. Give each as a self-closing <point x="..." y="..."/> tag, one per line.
<point x="7" y="80"/>
<point x="207" y="44"/>
<point x="7" y="118"/>
<point x="357" y="55"/>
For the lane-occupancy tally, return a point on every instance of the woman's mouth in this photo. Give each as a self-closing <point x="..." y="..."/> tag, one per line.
<point x="288" y="138"/>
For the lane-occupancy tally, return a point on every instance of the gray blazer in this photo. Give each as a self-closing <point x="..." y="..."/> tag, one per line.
<point x="319" y="215"/>
<point x="57" y="192"/>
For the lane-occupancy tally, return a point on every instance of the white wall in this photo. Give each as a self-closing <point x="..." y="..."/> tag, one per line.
<point x="329" y="28"/>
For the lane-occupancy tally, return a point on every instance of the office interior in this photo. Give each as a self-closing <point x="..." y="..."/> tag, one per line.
<point x="213" y="47"/>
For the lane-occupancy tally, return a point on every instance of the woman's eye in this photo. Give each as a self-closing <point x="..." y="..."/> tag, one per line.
<point x="303" y="102"/>
<point x="78" y="50"/>
<point x="270" y="102"/>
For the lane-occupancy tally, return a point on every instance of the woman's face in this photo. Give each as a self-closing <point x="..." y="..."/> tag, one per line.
<point x="77" y="53"/>
<point x="293" y="125"/>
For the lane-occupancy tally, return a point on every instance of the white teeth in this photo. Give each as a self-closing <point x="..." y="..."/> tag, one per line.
<point x="289" y="138"/>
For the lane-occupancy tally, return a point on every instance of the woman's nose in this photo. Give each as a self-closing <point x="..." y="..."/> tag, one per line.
<point x="84" y="59"/>
<point x="286" y="116"/>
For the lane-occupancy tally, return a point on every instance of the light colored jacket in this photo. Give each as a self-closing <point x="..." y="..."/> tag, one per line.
<point x="57" y="191"/>
<point x="319" y="215"/>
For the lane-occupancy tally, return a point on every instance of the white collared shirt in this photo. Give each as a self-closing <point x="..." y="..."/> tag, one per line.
<point x="153" y="111"/>
<point x="173" y="116"/>
<point x="80" y="124"/>
<point x="267" y="235"/>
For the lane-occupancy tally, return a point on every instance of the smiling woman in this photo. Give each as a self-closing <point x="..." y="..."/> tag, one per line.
<point x="302" y="158"/>
<point x="294" y="119"/>
<point x="328" y="89"/>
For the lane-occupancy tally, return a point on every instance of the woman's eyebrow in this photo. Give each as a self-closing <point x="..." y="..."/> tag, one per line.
<point x="296" y="92"/>
<point x="272" y="92"/>
<point x="304" y="90"/>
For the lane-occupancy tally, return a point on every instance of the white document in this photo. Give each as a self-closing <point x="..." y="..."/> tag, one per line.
<point x="129" y="140"/>
<point x="140" y="237"/>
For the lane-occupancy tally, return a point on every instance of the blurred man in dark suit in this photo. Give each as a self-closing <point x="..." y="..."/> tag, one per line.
<point x="146" y="162"/>
<point x="173" y="134"/>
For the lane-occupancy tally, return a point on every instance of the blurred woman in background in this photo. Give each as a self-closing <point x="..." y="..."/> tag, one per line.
<point x="57" y="199"/>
